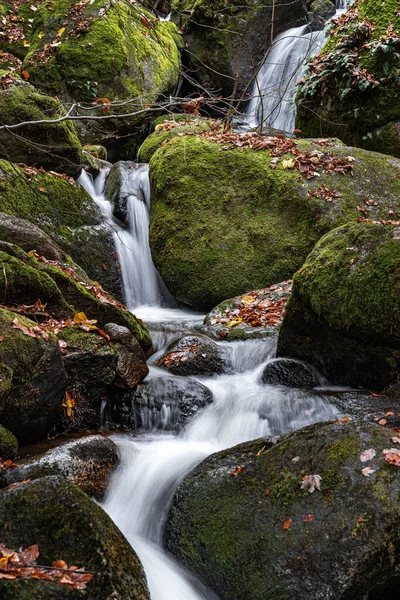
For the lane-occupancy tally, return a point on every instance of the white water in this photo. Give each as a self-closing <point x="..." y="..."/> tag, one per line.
<point x="141" y="282"/>
<point x="153" y="463"/>
<point x="272" y="102"/>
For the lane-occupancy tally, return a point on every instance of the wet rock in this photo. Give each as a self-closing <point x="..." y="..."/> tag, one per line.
<point x="193" y="355"/>
<point x="159" y="403"/>
<point x="26" y="589"/>
<point x="256" y="314"/>
<point x="322" y="8"/>
<point x="32" y="380"/>
<point x="249" y="545"/>
<point x="131" y="366"/>
<point x="91" y="367"/>
<point x="289" y="372"/>
<point x="68" y="525"/>
<point x="88" y="463"/>
<point x="8" y="444"/>
<point x="120" y="186"/>
<point x="343" y="315"/>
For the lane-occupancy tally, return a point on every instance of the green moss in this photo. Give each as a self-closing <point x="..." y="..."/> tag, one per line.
<point x="362" y="116"/>
<point x="53" y="146"/>
<point x="140" y="59"/>
<point x="342" y="450"/>
<point x="8" y="444"/>
<point x="215" y="236"/>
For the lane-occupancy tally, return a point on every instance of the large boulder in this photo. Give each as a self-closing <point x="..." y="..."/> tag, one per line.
<point x="344" y="312"/>
<point x="67" y="525"/>
<point x="63" y="51"/>
<point x="262" y="534"/>
<point x="159" y="402"/>
<point x="64" y="211"/>
<point x="226" y="41"/>
<point x="352" y="89"/>
<point x="33" y="379"/>
<point x="8" y="444"/>
<point x="88" y="463"/>
<point x="54" y="146"/>
<point x="226" y="219"/>
<point x="131" y="365"/>
<point x="290" y="373"/>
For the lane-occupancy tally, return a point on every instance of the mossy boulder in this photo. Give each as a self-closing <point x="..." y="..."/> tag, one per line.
<point x="65" y="289"/>
<point x="226" y="41"/>
<point x="142" y="60"/>
<point x="322" y="8"/>
<point x="88" y="463"/>
<point x="338" y="542"/>
<point x="66" y="212"/>
<point x="8" y="444"/>
<point x="33" y="380"/>
<point x="223" y="221"/>
<point x="352" y="90"/>
<point x="53" y="147"/>
<point x="344" y="312"/>
<point x="68" y="525"/>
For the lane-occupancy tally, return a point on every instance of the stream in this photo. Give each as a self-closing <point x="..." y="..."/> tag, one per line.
<point x="154" y="462"/>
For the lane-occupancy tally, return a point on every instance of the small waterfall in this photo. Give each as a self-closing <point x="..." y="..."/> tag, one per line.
<point x="142" y="283"/>
<point x="273" y="96"/>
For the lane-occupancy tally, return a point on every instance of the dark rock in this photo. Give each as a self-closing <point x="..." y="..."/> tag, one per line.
<point x="68" y="525"/>
<point x="29" y="237"/>
<point x="131" y="367"/>
<point x="322" y="8"/>
<point x="91" y="366"/>
<point x="193" y="355"/>
<point x="120" y="186"/>
<point x="343" y="315"/>
<point x="8" y="444"/>
<point x="33" y="380"/>
<point x="231" y="534"/>
<point x="26" y="589"/>
<point x="88" y="463"/>
<point x="289" y="372"/>
<point x="159" y="402"/>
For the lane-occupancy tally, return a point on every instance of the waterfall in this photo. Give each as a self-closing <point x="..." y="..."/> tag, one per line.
<point x="272" y="102"/>
<point x="141" y="281"/>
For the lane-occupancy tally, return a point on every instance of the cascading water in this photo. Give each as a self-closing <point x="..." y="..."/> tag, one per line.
<point x="154" y="463"/>
<point x="273" y="96"/>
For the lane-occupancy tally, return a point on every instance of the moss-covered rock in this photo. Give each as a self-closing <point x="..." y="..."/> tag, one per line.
<point x="8" y="444"/>
<point x="66" y="212"/>
<point x="338" y="542"/>
<point x="322" y="8"/>
<point x="54" y="147"/>
<point x="64" y="54"/>
<point x="352" y="90"/>
<point x="344" y="312"/>
<point x="33" y="380"/>
<point x="227" y="40"/>
<point x="88" y="463"/>
<point x="68" y="525"/>
<point x="224" y="221"/>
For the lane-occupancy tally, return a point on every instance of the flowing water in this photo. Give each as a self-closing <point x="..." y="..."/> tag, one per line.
<point x="272" y="102"/>
<point x="153" y="462"/>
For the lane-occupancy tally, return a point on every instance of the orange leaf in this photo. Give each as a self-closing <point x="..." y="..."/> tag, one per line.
<point x="237" y="471"/>
<point x="308" y="518"/>
<point x="393" y="459"/>
<point x="287" y="524"/>
<point x="25" y="75"/>
<point x="41" y="188"/>
<point x="267" y="491"/>
<point x="382" y="422"/>
<point x="144" y="21"/>
<point x="104" y="267"/>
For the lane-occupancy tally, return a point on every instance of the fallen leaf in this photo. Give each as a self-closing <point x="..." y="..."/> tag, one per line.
<point x="236" y="471"/>
<point x="289" y="164"/>
<point x="16" y="484"/>
<point x="234" y="323"/>
<point x="382" y="422"/>
<point x="396" y="440"/>
<point x="367" y="471"/>
<point x="25" y="75"/>
<point x="104" y="267"/>
<point x="389" y="414"/>
<point x="260" y="451"/>
<point x="41" y="34"/>
<point x="311" y="482"/>
<point x="308" y="518"/>
<point x="41" y="188"/>
<point x="26" y="44"/>
<point x="367" y="454"/>
<point x="393" y="458"/>
<point x="267" y="491"/>
<point x="61" y="31"/>
<point x="68" y="404"/>
<point x="287" y="524"/>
